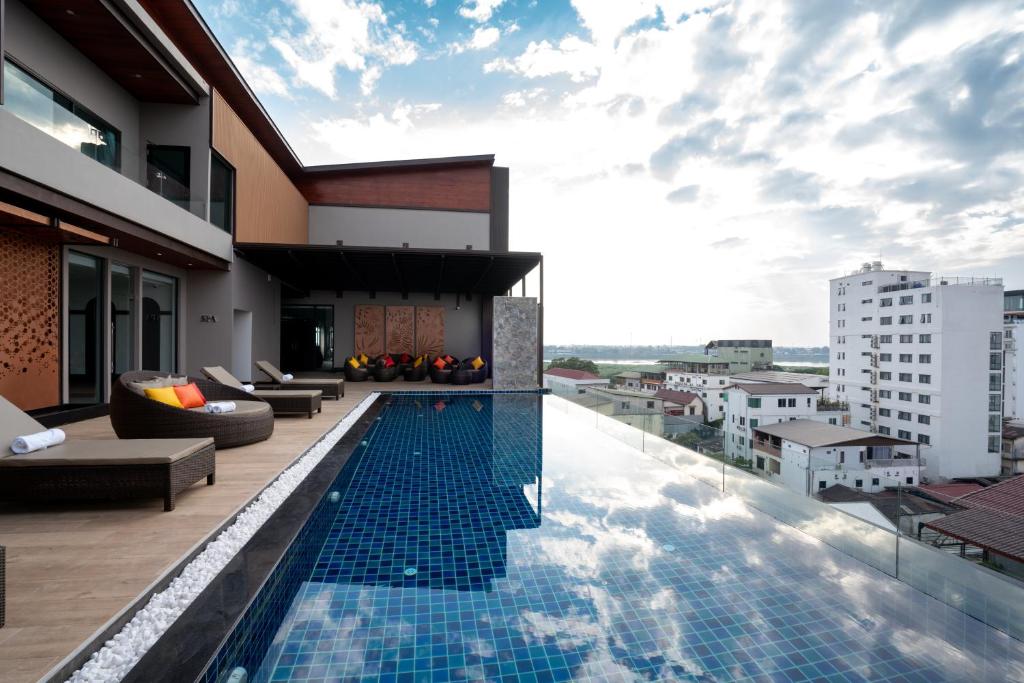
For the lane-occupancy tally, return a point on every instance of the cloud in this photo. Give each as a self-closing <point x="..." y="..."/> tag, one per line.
<point x="260" y="77"/>
<point x="479" y="10"/>
<point x="572" y="57"/>
<point x="790" y="184"/>
<point x="728" y="243"/>
<point x="347" y="34"/>
<point x="684" y="194"/>
<point x="482" y="38"/>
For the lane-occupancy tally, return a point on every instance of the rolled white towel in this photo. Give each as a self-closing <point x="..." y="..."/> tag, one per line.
<point x="38" y="441"/>
<point x="218" y="407"/>
<point x="248" y="388"/>
<point x="287" y="377"/>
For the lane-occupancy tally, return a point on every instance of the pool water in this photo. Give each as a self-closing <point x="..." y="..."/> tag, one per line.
<point x="493" y="537"/>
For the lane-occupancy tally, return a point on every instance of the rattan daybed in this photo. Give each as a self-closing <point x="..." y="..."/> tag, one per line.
<point x="134" y="416"/>
<point x="332" y="388"/>
<point x="96" y="469"/>
<point x="283" y="401"/>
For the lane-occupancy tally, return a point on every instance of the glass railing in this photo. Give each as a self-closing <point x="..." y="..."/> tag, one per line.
<point x="704" y="453"/>
<point x="161" y="183"/>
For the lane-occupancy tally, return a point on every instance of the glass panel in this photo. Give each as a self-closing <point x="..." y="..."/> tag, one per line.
<point x="222" y="194"/>
<point x="307" y="337"/>
<point x="85" y="341"/>
<point x="159" y="322"/>
<point x="59" y="116"/>
<point x="122" y="318"/>
<point x="167" y="173"/>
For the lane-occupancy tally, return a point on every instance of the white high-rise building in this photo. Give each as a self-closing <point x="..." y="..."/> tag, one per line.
<point x="1013" y="355"/>
<point x="920" y="358"/>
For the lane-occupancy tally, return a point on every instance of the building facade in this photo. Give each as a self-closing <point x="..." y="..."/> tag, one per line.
<point x="567" y="381"/>
<point x="1013" y="355"/>
<point x="920" y="358"/>
<point x="152" y="216"/>
<point x="742" y="355"/>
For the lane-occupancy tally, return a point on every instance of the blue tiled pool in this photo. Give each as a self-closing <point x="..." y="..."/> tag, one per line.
<point x="481" y="537"/>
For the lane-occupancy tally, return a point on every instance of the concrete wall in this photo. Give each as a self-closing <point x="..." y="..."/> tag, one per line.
<point x="182" y="125"/>
<point x="422" y="229"/>
<point x="515" y="343"/>
<point x="45" y="53"/>
<point x="462" y="327"/>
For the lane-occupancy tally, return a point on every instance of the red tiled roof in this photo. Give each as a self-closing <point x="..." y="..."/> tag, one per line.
<point x="947" y="492"/>
<point x="570" y="374"/>
<point x="994" y="518"/>
<point x="683" y="398"/>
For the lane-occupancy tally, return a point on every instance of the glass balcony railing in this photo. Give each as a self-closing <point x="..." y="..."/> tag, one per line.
<point x="899" y="549"/>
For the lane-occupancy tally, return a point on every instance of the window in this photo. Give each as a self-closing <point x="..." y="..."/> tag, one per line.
<point x="222" y="193"/>
<point x="821" y="485"/>
<point x="650" y="404"/>
<point x="924" y="338"/>
<point x="885" y="375"/>
<point x="885" y="339"/>
<point x="885" y="302"/>
<point x="903" y="415"/>
<point x="865" y="301"/>
<point x="782" y="403"/>
<point x="994" y="423"/>
<point x="995" y="361"/>
<point x="885" y="320"/>
<point x="753" y="402"/>
<point x="910" y="480"/>
<point x="908" y="299"/>
<point x="924" y="398"/>
<point x="866" y="319"/>
<point x="866" y="283"/>
<point x="924" y="419"/>
<point x="859" y="483"/>
<point x="753" y="422"/>
<point x="924" y="439"/>
<point x="882" y="429"/>
<point x="926" y="317"/>
<point x="906" y="339"/>
<point x="906" y="358"/>
<point x="884" y="412"/>
<point x="906" y="396"/>
<point x="832" y="421"/>
<point x="924" y="379"/>
<point x="906" y="319"/>
<point x="791" y="403"/>
<point x="168" y="172"/>
<point x="884" y="393"/>
<point x="906" y="377"/>
<point x="924" y="358"/>
<point x="59" y="116"/>
<point x="995" y="381"/>
<point x="841" y="307"/>
<point x="993" y="444"/>
<point x="995" y="341"/>
<point x="743" y="421"/>
<point x="903" y="434"/>
<point x="994" y="403"/>
<point x="874" y="481"/>
<point x="885" y="357"/>
<point x="926" y="298"/>
<point x="625" y="405"/>
<point x="842" y="457"/>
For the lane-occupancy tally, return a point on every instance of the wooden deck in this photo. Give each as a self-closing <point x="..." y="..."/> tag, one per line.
<point x="71" y="568"/>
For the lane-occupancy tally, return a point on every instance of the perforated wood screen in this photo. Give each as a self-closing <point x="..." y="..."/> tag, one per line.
<point x="429" y="330"/>
<point x="400" y="329"/>
<point x="369" y="330"/>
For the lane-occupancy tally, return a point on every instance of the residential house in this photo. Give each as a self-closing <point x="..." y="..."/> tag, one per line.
<point x="628" y="380"/>
<point x="742" y="355"/>
<point x="807" y="456"/>
<point x="634" y="408"/>
<point x="569" y="381"/>
<point x="921" y="358"/>
<point x="908" y="507"/>
<point x="681" y="403"/>
<point x="704" y="375"/>
<point x="154" y="217"/>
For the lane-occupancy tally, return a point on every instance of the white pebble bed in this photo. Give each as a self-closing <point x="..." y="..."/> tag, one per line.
<point x="118" y="655"/>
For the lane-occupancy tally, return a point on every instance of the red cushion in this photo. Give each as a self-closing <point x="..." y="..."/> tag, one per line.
<point x="448" y="359"/>
<point x="190" y="396"/>
<point x="388" y="362"/>
<point x="439" y="363"/>
<point x="405" y="358"/>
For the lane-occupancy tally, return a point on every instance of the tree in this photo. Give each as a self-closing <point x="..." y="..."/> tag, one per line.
<point x="574" y="363"/>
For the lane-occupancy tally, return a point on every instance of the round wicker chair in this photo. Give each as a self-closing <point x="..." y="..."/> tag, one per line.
<point x="383" y="373"/>
<point x="440" y="375"/>
<point x="476" y="375"/>
<point x="136" y="417"/>
<point x="417" y="374"/>
<point x="360" y="374"/>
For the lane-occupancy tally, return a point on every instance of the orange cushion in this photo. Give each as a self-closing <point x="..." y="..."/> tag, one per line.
<point x="477" y="363"/>
<point x="165" y="395"/>
<point x="190" y="396"/>
<point x="448" y="359"/>
<point x="353" y="362"/>
<point x="438" y="363"/>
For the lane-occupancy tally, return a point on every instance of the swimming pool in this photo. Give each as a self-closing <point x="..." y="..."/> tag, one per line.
<point x="483" y="536"/>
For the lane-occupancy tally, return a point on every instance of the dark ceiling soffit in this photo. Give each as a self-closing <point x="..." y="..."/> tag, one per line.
<point x="256" y="247"/>
<point x="403" y="164"/>
<point x="45" y="201"/>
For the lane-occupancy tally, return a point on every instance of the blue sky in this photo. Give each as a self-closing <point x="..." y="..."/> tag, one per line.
<point x="691" y="170"/>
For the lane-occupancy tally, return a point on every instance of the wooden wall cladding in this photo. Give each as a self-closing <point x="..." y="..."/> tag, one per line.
<point x="29" y="320"/>
<point x="429" y="330"/>
<point x="369" y="330"/>
<point x="268" y="207"/>
<point x="462" y="188"/>
<point x="401" y="323"/>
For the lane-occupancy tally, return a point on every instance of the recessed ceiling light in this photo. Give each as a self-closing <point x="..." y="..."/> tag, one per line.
<point x="190" y="264"/>
<point x="138" y="75"/>
<point x="70" y="12"/>
<point x="159" y="253"/>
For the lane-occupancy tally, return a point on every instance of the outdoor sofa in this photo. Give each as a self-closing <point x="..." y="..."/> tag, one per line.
<point x="282" y="401"/>
<point x="331" y="388"/>
<point x="99" y="469"/>
<point x="135" y="416"/>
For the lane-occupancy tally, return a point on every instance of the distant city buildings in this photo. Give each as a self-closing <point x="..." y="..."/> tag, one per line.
<point x="565" y="380"/>
<point x="920" y="358"/>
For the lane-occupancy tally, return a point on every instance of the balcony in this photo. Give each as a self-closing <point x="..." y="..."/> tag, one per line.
<point x="766" y="447"/>
<point x="878" y="463"/>
<point x="826" y="405"/>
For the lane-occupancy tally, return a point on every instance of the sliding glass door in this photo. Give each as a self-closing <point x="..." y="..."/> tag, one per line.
<point x="85" y="325"/>
<point x="159" y="322"/>
<point x="122" y="319"/>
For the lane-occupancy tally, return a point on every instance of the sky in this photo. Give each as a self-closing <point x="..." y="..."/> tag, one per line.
<point x="690" y="170"/>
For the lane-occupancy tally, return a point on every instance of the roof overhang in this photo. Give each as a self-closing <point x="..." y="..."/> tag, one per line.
<point x="304" y="268"/>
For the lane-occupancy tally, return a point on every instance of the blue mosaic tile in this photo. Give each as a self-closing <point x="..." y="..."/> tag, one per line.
<point x="479" y="537"/>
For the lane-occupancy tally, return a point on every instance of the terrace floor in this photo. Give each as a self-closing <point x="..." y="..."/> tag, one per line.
<point x="71" y="568"/>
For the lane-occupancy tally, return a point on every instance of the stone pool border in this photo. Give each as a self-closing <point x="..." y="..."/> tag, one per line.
<point x="159" y="632"/>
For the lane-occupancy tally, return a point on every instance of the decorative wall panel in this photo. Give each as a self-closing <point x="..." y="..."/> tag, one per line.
<point x="429" y="330"/>
<point x="515" y="343"/>
<point x="370" y="330"/>
<point x="466" y="188"/>
<point x="401" y="329"/>
<point x="29" y="320"/>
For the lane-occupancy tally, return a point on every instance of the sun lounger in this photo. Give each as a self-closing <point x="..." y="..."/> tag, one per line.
<point x="332" y="388"/>
<point x="98" y="469"/>
<point x="281" y="400"/>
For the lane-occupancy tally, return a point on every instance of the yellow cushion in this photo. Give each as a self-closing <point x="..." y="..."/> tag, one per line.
<point x="165" y="395"/>
<point x="363" y="359"/>
<point x="477" y="363"/>
<point x="354" y="363"/>
<point x="418" y="362"/>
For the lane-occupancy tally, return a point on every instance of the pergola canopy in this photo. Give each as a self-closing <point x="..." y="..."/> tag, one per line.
<point x="303" y="268"/>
